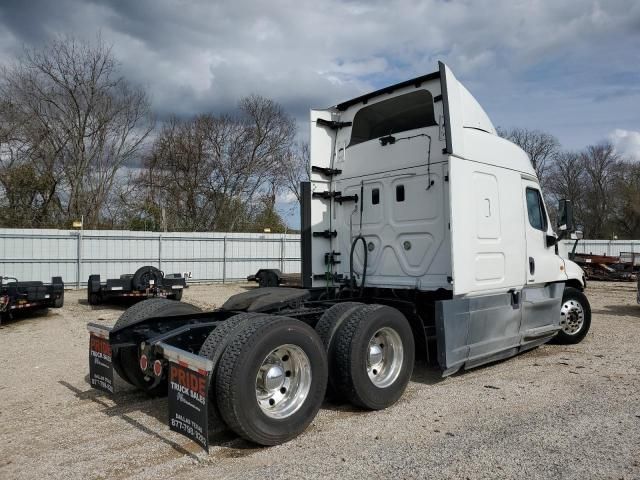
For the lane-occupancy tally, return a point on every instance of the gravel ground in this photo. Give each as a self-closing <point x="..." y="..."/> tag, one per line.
<point x="557" y="411"/>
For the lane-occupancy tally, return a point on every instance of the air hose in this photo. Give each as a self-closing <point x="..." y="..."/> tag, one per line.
<point x="364" y="268"/>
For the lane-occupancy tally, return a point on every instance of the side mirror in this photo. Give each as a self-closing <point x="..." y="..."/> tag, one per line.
<point x="577" y="235"/>
<point x="565" y="215"/>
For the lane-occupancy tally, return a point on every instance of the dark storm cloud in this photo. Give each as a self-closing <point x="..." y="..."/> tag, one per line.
<point x="566" y="67"/>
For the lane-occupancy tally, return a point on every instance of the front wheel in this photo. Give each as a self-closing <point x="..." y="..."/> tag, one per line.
<point x="575" y="317"/>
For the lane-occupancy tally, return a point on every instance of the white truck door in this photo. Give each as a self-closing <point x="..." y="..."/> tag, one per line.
<point x="542" y="293"/>
<point x="542" y="264"/>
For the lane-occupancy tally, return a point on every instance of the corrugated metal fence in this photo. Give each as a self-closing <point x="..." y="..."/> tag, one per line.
<point x="604" y="247"/>
<point x="210" y="257"/>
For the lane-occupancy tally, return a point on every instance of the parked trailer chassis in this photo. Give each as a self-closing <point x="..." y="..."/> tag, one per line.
<point x="16" y="296"/>
<point x="146" y="282"/>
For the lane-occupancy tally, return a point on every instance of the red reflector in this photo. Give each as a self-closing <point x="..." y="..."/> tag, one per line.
<point x="144" y="362"/>
<point x="157" y="368"/>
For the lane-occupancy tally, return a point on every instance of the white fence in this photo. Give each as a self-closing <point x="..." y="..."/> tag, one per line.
<point x="604" y="247"/>
<point x="210" y="257"/>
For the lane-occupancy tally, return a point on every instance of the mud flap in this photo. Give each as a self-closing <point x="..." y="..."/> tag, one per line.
<point x="188" y="378"/>
<point x="100" y="362"/>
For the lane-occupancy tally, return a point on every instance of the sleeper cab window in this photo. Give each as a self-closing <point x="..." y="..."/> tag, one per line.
<point x="398" y="114"/>
<point x="399" y="193"/>
<point x="535" y="210"/>
<point x="375" y="196"/>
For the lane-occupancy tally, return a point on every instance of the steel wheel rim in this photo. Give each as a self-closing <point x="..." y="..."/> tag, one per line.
<point x="571" y="317"/>
<point x="385" y="357"/>
<point x="283" y="381"/>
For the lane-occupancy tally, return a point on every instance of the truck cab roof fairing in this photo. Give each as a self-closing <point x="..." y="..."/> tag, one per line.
<point x="461" y="109"/>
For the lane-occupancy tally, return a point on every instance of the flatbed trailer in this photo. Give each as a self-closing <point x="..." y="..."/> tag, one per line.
<point x="424" y="234"/>
<point x="146" y="282"/>
<point x="17" y="296"/>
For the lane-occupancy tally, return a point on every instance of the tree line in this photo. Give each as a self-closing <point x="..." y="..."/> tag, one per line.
<point x="603" y="186"/>
<point x="79" y="141"/>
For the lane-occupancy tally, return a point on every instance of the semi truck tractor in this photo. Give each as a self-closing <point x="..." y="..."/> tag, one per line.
<point x="424" y="235"/>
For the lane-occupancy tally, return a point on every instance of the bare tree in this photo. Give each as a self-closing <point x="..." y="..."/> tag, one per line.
<point x="297" y="168"/>
<point x="76" y="120"/>
<point x="216" y="172"/>
<point x="567" y="179"/>
<point x="626" y="206"/>
<point x="540" y="146"/>
<point x="601" y="166"/>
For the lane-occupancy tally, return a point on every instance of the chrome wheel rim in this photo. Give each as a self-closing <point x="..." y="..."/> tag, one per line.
<point x="283" y="381"/>
<point x="571" y="317"/>
<point x="384" y="357"/>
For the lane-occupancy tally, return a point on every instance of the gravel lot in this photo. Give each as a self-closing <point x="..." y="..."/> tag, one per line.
<point x="557" y="411"/>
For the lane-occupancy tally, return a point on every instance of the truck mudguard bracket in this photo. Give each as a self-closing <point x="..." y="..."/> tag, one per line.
<point x="325" y="195"/>
<point x="329" y="172"/>
<point x="346" y="198"/>
<point x="326" y="234"/>
<point x="321" y="122"/>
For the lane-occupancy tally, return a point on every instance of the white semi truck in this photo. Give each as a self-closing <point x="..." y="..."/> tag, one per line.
<point x="423" y="234"/>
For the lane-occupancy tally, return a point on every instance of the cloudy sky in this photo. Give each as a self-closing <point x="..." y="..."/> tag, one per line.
<point x="568" y="67"/>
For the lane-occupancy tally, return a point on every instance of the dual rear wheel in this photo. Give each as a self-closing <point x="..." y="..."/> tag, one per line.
<point x="371" y="353"/>
<point x="271" y="372"/>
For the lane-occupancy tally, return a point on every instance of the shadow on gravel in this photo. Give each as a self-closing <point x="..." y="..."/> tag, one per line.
<point x="110" y="304"/>
<point x="129" y="400"/>
<point x="619" y="310"/>
<point x="24" y="316"/>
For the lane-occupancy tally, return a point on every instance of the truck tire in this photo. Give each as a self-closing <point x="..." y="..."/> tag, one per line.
<point x="176" y="296"/>
<point x="93" y="290"/>
<point x="212" y="349"/>
<point x="93" y="298"/>
<point x="329" y="323"/>
<point x="143" y="275"/>
<point x="271" y="379"/>
<point x="58" y="302"/>
<point x="575" y="317"/>
<point x="126" y="361"/>
<point x="268" y="278"/>
<point x="373" y="357"/>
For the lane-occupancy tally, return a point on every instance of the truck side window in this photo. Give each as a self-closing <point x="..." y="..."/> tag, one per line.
<point x="400" y="193"/>
<point x="375" y="196"/>
<point x="535" y="209"/>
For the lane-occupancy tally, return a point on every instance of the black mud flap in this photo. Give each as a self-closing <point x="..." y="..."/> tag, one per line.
<point x="188" y="378"/>
<point x="100" y="363"/>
